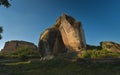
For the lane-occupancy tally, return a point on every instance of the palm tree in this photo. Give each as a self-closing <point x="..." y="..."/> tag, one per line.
<point x="1" y="30"/>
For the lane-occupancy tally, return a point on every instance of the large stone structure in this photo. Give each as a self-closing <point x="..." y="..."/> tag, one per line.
<point x="72" y="32"/>
<point x="51" y="42"/>
<point x="66" y="35"/>
<point x="110" y="46"/>
<point x="12" y="46"/>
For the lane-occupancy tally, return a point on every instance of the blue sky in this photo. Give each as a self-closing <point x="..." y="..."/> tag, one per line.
<point x="27" y="19"/>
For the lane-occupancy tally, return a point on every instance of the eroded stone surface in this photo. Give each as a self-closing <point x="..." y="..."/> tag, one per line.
<point x="72" y="32"/>
<point x="51" y="42"/>
<point x="66" y="35"/>
<point x="110" y="46"/>
<point x="12" y="46"/>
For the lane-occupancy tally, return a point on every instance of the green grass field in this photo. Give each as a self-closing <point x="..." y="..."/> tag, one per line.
<point x="91" y="62"/>
<point x="58" y="67"/>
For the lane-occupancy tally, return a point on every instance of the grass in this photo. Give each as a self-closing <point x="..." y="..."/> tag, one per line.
<point x="58" y="67"/>
<point x="12" y="65"/>
<point x="98" y="54"/>
<point x="17" y="63"/>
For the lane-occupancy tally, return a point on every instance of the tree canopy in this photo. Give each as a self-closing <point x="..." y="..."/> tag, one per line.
<point x="1" y="30"/>
<point x="5" y="3"/>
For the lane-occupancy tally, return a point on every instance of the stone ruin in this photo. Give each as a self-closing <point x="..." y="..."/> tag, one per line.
<point x="110" y="46"/>
<point x="66" y="35"/>
<point x="12" y="46"/>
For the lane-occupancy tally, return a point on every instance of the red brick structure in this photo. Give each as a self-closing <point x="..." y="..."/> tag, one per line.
<point x="12" y="46"/>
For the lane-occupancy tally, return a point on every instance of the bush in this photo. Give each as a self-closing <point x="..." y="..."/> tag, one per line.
<point x="105" y="53"/>
<point x="24" y="53"/>
<point x="94" y="54"/>
<point x="23" y="57"/>
<point x="2" y="55"/>
<point x="85" y="54"/>
<point x="25" y="50"/>
<point x="99" y="54"/>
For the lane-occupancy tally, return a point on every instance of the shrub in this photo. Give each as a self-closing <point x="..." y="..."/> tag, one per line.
<point x="25" y="50"/>
<point x="2" y="55"/>
<point x="23" y="57"/>
<point x="24" y="53"/>
<point x="85" y="54"/>
<point x="98" y="54"/>
<point x="105" y="53"/>
<point x="94" y="54"/>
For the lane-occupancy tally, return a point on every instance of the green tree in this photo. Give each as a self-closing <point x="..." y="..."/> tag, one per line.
<point x="5" y="3"/>
<point x="1" y="30"/>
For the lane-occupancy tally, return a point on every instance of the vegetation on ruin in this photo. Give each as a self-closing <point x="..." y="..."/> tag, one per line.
<point x="23" y="53"/>
<point x="98" y="54"/>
